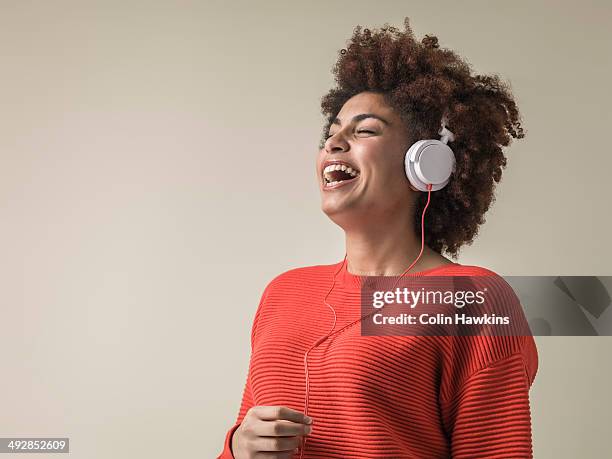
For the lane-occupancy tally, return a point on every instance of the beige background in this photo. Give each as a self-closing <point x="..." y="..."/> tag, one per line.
<point x="157" y="170"/>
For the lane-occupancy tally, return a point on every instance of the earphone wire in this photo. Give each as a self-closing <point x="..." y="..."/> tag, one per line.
<point x="304" y="438"/>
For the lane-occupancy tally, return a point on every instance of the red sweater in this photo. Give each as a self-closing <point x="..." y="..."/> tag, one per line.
<point x="386" y="396"/>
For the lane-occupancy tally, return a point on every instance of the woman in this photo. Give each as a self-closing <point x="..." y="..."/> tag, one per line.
<point x="316" y="393"/>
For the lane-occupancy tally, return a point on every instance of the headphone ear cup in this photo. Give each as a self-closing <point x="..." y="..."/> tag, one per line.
<point x="429" y="162"/>
<point x="409" y="165"/>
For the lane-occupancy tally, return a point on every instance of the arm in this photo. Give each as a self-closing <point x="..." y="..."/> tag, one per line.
<point x="247" y="394"/>
<point x="484" y="397"/>
<point x="247" y="403"/>
<point x="490" y="416"/>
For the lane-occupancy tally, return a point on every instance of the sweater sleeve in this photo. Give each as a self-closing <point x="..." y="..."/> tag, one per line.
<point x="490" y="416"/>
<point x="247" y="403"/>
<point x="485" y="383"/>
<point x="247" y="393"/>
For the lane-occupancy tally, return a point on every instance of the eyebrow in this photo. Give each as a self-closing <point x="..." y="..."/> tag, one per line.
<point x="362" y="116"/>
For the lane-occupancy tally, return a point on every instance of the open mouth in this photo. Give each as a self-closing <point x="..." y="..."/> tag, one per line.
<point x="336" y="174"/>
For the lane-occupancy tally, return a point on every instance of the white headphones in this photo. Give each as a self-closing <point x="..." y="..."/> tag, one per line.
<point x="431" y="161"/>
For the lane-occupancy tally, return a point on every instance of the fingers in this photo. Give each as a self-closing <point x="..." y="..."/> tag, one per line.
<point x="284" y="455"/>
<point x="274" y="432"/>
<point x="274" y="444"/>
<point x="282" y="429"/>
<point x="272" y="413"/>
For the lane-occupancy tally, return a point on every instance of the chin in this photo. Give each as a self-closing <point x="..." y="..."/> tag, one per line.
<point x="341" y="207"/>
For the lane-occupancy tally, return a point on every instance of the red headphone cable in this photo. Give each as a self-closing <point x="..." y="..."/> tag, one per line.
<point x="304" y="438"/>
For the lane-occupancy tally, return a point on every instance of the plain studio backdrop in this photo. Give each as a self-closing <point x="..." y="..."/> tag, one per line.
<point x="157" y="171"/>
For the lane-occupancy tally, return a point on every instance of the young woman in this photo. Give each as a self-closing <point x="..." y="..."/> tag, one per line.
<point x="316" y="387"/>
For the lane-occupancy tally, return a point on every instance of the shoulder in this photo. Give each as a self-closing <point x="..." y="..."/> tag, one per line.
<point x="304" y="272"/>
<point x="302" y="276"/>
<point x="285" y="287"/>
<point x="468" y="270"/>
<point x="499" y="292"/>
<point x="480" y="277"/>
<point x="475" y="353"/>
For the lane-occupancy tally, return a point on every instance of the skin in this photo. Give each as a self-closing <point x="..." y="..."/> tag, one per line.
<point x="376" y="211"/>
<point x="269" y="432"/>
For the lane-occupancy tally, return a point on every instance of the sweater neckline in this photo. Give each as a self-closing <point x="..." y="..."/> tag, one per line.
<point x="355" y="280"/>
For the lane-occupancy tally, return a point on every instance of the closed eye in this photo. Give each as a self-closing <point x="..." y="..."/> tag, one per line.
<point x="358" y="132"/>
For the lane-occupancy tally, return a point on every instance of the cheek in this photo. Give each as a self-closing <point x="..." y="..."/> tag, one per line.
<point x="383" y="168"/>
<point x="319" y="160"/>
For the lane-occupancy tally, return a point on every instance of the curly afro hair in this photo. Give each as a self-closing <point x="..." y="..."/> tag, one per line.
<point x="422" y="82"/>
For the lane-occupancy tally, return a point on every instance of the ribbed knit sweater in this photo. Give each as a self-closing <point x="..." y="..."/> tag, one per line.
<point x="386" y="396"/>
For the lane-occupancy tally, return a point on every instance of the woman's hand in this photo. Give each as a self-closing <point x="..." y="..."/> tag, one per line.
<point x="271" y="432"/>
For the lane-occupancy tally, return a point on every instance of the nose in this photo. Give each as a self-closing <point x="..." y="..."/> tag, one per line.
<point x="335" y="144"/>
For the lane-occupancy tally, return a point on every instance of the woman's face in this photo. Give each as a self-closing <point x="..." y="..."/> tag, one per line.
<point x="369" y="138"/>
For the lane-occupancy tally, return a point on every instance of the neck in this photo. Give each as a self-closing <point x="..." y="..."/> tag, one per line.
<point x="372" y="252"/>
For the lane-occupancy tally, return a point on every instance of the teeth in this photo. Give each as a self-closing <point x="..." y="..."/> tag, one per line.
<point x="339" y="167"/>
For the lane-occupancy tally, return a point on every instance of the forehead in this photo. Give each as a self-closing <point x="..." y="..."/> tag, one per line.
<point x="366" y="102"/>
